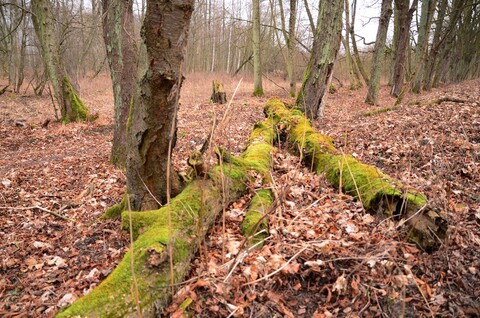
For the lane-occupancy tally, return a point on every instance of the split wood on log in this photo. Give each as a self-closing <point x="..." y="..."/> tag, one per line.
<point x="378" y="192"/>
<point x="193" y="211"/>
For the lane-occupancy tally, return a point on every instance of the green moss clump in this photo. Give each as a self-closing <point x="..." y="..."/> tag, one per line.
<point x="76" y="109"/>
<point x="115" y="210"/>
<point x="263" y="131"/>
<point x="184" y="208"/>
<point x="332" y="89"/>
<point x="362" y="181"/>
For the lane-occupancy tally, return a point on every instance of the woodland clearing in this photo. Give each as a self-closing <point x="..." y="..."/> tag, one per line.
<point x="324" y="256"/>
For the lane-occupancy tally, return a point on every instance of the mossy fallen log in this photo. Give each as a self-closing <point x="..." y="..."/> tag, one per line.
<point x="193" y="211"/>
<point x="378" y="192"/>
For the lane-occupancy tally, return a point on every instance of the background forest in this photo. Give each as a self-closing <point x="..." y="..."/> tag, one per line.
<point x="437" y="40"/>
<point x="289" y="158"/>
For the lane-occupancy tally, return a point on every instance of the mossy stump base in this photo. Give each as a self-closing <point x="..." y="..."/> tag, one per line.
<point x="379" y="193"/>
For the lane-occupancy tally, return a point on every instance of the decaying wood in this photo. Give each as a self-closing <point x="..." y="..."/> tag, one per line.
<point x="193" y="211"/>
<point x="219" y="96"/>
<point x="378" y="192"/>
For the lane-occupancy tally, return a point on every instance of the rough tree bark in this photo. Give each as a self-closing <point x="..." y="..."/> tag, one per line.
<point x="257" y="62"/>
<point x="118" y="34"/>
<point x="71" y="107"/>
<point x="320" y="66"/>
<point x="151" y="124"/>
<point x="378" y="56"/>
<point x="405" y="15"/>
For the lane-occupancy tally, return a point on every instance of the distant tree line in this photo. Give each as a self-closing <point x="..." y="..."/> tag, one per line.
<point x="433" y="41"/>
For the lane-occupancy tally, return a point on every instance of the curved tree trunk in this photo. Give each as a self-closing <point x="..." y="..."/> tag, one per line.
<point x="71" y="107"/>
<point x="378" y="56"/>
<point x="118" y="33"/>
<point x="152" y="119"/>
<point x="320" y="66"/>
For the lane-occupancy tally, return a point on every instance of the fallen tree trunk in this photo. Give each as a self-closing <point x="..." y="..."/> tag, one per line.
<point x="193" y="211"/>
<point x="378" y="192"/>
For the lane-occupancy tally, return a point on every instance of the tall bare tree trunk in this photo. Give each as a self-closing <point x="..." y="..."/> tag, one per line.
<point x="290" y="39"/>
<point x="152" y="118"/>
<point x="71" y="107"/>
<point x="257" y="61"/>
<point x="351" y="29"/>
<point x="396" y="30"/>
<point x="428" y="8"/>
<point x="378" y="56"/>
<point x="405" y="15"/>
<point x="430" y="64"/>
<point x="354" y="73"/>
<point x="118" y="33"/>
<point x="320" y="66"/>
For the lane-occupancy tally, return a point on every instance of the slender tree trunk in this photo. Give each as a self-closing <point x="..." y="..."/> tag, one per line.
<point x="378" y="56"/>
<point x="71" y="107"/>
<point x="152" y="119"/>
<point x="118" y="33"/>
<point x="354" y="73"/>
<point x="404" y="19"/>
<point x="310" y="16"/>
<point x="320" y="66"/>
<point x="22" y="57"/>
<point x="291" y="46"/>
<point x="430" y="65"/>
<point x="428" y="8"/>
<point x="356" y="53"/>
<point x="396" y="30"/>
<point x="257" y="62"/>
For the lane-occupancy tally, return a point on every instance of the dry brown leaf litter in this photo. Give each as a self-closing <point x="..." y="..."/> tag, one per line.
<point x="325" y="256"/>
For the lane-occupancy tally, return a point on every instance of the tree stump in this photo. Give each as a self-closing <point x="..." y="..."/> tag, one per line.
<point x="218" y="93"/>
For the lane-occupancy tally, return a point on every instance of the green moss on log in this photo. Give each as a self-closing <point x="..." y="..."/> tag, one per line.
<point x="378" y="192"/>
<point x="192" y="213"/>
<point x="255" y="220"/>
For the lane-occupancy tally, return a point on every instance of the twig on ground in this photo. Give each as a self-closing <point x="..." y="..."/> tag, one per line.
<point x="278" y="270"/>
<point x="39" y="208"/>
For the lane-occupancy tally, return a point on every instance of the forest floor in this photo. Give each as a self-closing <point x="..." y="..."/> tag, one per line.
<point x="324" y="257"/>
